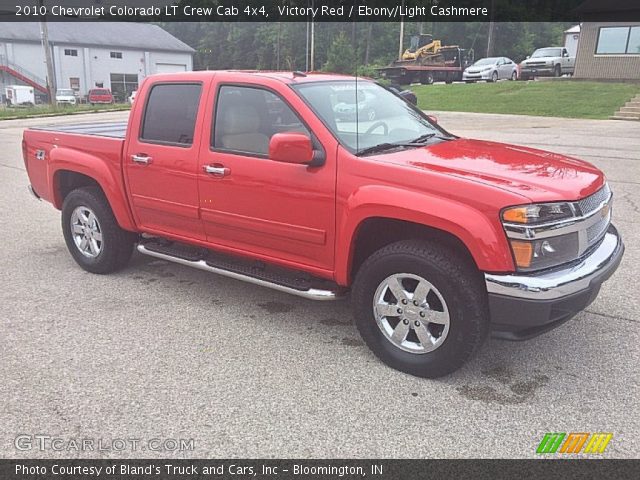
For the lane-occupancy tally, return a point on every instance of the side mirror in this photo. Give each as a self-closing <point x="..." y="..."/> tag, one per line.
<point x="433" y="119"/>
<point x="528" y="57"/>
<point x="291" y="147"/>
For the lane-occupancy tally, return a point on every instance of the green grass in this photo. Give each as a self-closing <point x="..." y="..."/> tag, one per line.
<point x="573" y="99"/>
<point x="51" y="111"/>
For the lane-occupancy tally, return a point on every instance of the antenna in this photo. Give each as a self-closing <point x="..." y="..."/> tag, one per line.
<point x="298" y="73"/>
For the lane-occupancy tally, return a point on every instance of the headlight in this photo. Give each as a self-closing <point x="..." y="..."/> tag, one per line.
<point x="536" y="214"/>
<point x="537" y="252"/>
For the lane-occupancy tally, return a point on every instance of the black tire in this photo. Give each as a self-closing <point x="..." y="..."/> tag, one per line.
<point x="557" y="71"/>
<point x="116" y="245"/>
<point x="459" y="285"/>
<point x="494" y="77"/>
<point x="524" y="78"/>
<point x="427" y="79"/>
<point x="514" y="76"/>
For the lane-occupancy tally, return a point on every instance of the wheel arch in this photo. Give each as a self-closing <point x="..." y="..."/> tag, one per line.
<point x="461" y="227"/>
<point x="87" y="170"/>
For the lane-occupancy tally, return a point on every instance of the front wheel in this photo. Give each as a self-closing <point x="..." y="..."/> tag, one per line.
<point x="514" y="76"/>
<point x="420" y="308"/>
<point x="94" y="238"/>
<point x="494" y="77"/>
<point x="557" y="71"/>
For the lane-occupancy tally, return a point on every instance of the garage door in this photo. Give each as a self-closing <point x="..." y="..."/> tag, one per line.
<point x="170" y="67"/>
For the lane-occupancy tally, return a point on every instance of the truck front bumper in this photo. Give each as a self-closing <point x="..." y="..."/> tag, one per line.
<point x="523" y="306"/>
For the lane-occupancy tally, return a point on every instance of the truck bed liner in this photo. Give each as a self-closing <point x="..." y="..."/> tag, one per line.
<point x="111" y="129"/>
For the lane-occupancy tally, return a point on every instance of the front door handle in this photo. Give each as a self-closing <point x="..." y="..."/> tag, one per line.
<point x="141" y="159"/>
<point x="217" y="170"/>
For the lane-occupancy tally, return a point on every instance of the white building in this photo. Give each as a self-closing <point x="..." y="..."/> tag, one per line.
<point x="571" y="39"/>
<point x="115" y="55"/>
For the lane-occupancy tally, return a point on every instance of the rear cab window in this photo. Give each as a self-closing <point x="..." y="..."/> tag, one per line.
<point x="170" y="114"/>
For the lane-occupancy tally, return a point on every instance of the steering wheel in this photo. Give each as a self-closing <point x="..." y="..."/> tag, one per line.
<point x="377" y="124"/>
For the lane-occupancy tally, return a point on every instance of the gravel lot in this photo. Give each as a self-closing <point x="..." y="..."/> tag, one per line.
<point x="163" y="351"/>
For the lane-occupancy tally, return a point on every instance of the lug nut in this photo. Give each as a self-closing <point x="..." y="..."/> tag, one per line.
<point x="417" y="324"/>
<point x="404" y="301"/>
<point x="400" y="311"/>
<point x="422" y="314"/>
<point x="405" y="321"/>
<point x="415" y="302"/>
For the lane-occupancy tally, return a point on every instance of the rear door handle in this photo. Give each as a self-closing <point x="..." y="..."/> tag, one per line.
<point x="217" y="170"/>
<point x="141" y="159"/>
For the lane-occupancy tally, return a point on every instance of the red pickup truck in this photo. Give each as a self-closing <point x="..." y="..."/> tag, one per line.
<point x="261" y="177"/>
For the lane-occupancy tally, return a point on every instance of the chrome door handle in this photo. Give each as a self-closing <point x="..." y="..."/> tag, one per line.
<point x="217" y="171"/>
<point x="141" y="159"/>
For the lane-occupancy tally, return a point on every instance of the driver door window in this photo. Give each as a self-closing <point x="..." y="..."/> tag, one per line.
<point x="247" y="117"/>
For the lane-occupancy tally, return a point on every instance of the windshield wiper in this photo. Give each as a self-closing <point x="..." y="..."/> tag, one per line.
<point x="427" y="136"/>
<point x="418" y="142"/>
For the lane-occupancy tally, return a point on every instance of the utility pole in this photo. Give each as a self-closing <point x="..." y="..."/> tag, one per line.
<point x="313" y="41"/>
<point x="51" y="79"/>
<point x="491" y="28"/>
<point x="400" y="51"/>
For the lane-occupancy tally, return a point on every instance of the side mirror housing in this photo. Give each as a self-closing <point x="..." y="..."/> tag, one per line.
<point x="433" y="119"/>
<point x="527" y="57"/>
<point x="291" y="147"/>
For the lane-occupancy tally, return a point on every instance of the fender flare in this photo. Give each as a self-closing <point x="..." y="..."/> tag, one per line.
<point x="484" y="239"/>
<point x="108" y="178"/>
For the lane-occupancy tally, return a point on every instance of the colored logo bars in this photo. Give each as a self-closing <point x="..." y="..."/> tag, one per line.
<point x="573" y="443"/>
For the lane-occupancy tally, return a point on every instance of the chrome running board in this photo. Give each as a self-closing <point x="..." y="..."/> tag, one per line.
<point x="202" y="264"/>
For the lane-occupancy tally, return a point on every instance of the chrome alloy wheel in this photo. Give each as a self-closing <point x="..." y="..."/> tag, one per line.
<point x="411" y="313"/>
<point x="86" y="231"/>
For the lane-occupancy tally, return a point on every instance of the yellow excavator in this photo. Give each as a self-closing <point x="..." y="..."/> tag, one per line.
<point x="421" y="46"/>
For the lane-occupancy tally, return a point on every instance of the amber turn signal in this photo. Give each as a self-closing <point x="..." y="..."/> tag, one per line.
<point x="522" y="252"/>
<point x="516" y="215"/>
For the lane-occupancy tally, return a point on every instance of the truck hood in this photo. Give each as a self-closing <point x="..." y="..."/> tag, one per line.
<point x="539" y="59"/>
<point x="535" y="174"/>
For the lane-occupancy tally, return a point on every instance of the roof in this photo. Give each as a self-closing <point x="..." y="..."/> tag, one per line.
<point x="281" y="76"/>
<point x="108" y="34"/>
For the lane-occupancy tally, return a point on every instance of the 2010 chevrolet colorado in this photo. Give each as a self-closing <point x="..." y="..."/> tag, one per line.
<point x="258" y="176"/>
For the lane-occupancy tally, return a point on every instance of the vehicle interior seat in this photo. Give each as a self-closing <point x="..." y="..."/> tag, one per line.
<point x="241" y="130"/>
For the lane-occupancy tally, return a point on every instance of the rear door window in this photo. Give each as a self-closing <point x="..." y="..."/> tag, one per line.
<point x="170" y="114"/>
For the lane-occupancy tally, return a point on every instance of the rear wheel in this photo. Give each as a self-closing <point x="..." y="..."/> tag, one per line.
<point x="419" y="308"/>
<point x="514" y="76"/>
<point x="427" y="79"/>
<point x="94" y="238"/>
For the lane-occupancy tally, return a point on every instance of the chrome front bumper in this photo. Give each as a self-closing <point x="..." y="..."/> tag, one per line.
<point x="522" y="306"/>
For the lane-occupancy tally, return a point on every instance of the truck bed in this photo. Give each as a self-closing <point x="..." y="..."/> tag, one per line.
<point x="111" y="129"/>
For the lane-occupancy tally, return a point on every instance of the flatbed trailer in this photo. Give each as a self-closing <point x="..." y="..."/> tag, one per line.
<point x="425" y="74"/>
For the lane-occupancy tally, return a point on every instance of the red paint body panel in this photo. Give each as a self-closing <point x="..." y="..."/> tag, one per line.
<point x="300" y="216"/>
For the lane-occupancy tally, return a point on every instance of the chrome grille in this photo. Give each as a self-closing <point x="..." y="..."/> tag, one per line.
<point x="592" y="202"/>
<point x="595" y="231"/>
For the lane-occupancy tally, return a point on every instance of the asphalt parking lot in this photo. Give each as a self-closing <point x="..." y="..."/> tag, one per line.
<point x="163" y="351"/>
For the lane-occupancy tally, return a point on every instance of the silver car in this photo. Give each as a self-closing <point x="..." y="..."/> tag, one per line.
<point x="491" y="69"/>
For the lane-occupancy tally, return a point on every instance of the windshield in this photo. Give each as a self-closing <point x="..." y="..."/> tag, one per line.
<point x="546" y="52"/>
<point x="366" y="116"/>
<point x="486" y="61"/>
<point x="65" y="92"/>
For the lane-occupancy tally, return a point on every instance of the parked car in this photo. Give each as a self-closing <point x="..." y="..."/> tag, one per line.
<point x="548" y="62"/>
<point x="99" y="95"/>
<point x="491" y="69"/>
<point x="440" y="239"/>
<point x="65" y="96"/>
<point x="132" y="97"/>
